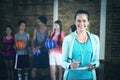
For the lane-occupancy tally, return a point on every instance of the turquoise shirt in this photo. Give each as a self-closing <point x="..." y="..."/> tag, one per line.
<point x="81" y="52"/>
<point x="67" y="49"/>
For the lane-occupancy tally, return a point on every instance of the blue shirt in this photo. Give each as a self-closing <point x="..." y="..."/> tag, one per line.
<point x="81" y="52"/>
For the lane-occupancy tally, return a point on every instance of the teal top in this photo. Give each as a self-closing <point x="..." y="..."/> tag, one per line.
<point x="81" y="52"/>
<point x="67" y="49"/>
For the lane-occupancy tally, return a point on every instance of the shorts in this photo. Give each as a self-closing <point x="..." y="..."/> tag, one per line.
<point x="55" y="58"/>
<point x="42" y="60"/>
<point x="22" y="62"/>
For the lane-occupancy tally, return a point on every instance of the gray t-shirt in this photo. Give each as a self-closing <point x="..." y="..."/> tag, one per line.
<point x="25" y="39"/>
<point x="41" y="37"/>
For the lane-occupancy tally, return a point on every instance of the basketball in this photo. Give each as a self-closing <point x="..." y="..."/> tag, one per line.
<point x="50" y="44"/>
<point x="20" y="44"/>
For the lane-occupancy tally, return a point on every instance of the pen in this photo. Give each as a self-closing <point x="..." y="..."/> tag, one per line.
<point x="71" y="59"/>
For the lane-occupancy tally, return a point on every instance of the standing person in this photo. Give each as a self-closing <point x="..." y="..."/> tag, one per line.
<point x="22" y="57"/>
<point x="38" y="43"/>
<point x="55" y="55"/>
<point x="9" y="51"/>
<point x="72" y="28"/>
<point x="80" y="51"/>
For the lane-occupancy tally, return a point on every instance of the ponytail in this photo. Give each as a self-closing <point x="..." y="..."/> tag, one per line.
<point x="59" y="41"/>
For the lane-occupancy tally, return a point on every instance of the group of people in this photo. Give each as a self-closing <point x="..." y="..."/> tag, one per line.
<point x="73" y="53"/>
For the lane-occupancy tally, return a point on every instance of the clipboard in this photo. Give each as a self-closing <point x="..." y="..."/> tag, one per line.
<point x="80" y="68"/>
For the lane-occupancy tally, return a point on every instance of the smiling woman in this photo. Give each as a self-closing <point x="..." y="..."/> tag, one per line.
<point x="82" y="47"/>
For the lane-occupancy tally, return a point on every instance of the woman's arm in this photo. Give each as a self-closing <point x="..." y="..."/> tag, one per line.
<point x="65" y="51"/>
<point x="97" y="51"/>
<point x="49" y="34"/>
<point x="34" y="38"/>
<point x="28" y="36"/>
<point x="15" y="37"/>
<point x="28" y="42"/>
<point x="34" y="48"/>
<point x="4" y="46"/>
<point x="62" y="36"/>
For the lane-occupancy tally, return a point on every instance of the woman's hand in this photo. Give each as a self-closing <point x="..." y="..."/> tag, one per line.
<point x="74" y="65"/>
<point x="36" y="48"/>
<point x="33" y="49"/>
<point x="91" y="67"/>
<point x="8" y="47"/>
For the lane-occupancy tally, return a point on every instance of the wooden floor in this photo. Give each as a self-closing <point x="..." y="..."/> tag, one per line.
<point x="38" y="77"/>
<point x="108" y="71"/>
<point x="109" y="74"/>
<point x="112" y="71"/>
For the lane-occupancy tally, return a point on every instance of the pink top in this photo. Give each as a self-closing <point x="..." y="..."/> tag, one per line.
<point x="58" y="49"/>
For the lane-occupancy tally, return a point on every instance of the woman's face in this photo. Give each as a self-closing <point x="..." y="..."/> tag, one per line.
<point x="8" y="30"/>
<point x="56" y="27"/>
<point x="39" y="23"/>
<point x="81" y="22"/>
<point x="22" y="26"/>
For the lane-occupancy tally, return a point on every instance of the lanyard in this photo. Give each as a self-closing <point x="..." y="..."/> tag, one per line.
<point x="82" y="52"/>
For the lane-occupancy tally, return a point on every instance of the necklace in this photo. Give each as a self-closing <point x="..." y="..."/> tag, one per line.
<point x="82" y="51"/>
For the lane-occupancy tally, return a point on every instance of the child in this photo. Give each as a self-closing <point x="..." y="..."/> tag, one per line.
<point x="38" y="43"/>
<point x="9" y="51"/>
<point x="55" y="55"/>
<point x="22" y="57"/>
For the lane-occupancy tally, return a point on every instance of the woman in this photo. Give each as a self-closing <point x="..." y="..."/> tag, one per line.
<point x="72" y="28"/>
<point x="22" y="57"/>
<point x="80" y="51"/>
<point x="38" y="43"/>
<point x="55" y="55"/>
<point x="9" y="51"/>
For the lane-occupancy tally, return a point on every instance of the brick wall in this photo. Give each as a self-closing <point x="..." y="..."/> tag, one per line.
<point x="112" y="58"/>
<point x="13" y="10"/>
<point x="67" y="12"/>
<point x="113" y="31"/>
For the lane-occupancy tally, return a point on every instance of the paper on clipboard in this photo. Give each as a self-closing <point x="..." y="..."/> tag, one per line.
<point x="81" y="68"/>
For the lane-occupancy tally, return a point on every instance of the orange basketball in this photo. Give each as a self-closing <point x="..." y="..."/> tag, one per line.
<point x="20" y="44"/>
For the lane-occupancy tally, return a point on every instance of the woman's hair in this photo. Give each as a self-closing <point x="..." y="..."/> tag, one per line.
<point x="73" y="27"/>
<point x="59" y="42"/>
<point x="43" y="19"/>
<point x="21" y="21"/>
<point x="8" y="26"/>
<point x="82" y="11"/>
